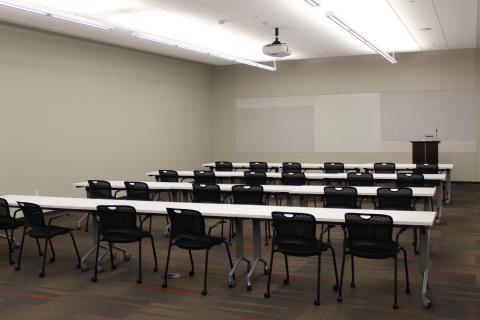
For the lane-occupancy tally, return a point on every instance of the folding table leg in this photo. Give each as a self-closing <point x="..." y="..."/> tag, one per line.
<point x="425" y="264"/>
<point x="257" y="253"/>
<point x="240" y="252"/>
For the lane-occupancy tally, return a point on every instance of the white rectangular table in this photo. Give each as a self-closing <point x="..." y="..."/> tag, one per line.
<point x="424" y="220"/>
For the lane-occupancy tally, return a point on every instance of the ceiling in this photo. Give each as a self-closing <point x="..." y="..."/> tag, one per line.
<point x="242" y="27"/>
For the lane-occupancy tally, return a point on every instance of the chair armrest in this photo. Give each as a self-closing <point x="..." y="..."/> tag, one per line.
<point x="215" y="225"/>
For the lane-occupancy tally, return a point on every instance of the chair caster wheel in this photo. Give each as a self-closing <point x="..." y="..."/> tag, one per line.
<point x="139" y="281"/>
<point x="164" y="285"/>
<point x="265" y="271"/>
<point x="286" y="281"/>
<point x="339" y="299"/>
<point x="94" y="279"/>
<point x="204" y="292"/>
<point x="316" y="302"/>
<point x="395" y="306"/>
<point x="41" y="274"/>
<point x="427" y="303"/>
<point x="17" y="268"/>
<point x="249" y="287"/>
<point x="191" y="273"/>
<point x="335" y="287"/>
<point x="352" y="285"/>
<point x="267" y="295"/>
<point x="155" y="269"/>
<point x="84" y="268"/>
<point x="78" y="266"/>
<point x="231" y="283"/>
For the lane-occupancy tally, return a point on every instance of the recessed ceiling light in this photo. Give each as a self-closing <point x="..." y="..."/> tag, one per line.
<point x="313" y="3"/>
<point x="426" y="29"/>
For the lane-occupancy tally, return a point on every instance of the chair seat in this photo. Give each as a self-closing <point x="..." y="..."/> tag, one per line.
<point x="196" y="242"/>
<point x="43" y="232"/>
<point x="124" y="235"/>
<point x="8" y="223"/>
<point x="300" y="247"/>
<point x="373" y="249"/>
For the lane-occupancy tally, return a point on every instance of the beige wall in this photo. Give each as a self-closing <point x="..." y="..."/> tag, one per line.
<point x="441" y="70"/>
<point x="73" y="110"/>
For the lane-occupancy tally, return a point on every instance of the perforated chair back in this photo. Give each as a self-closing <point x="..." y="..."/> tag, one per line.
<point x="429" y="168"/>
<point x="223" y="166"/>
<point x="368" y="227"/>
<point x="247" y="194"/>
<point x="394" y="199"/>
<point x="293" y="167"/>
<point x="406" y="180"/>
<point x="206" y="193"/>
<point x="205" y="177"/>
<point x="114" y="218"/>
<point x="301" y="226"/>
<point x="137" y="191"/>
<point x="293" y="179"/>
<point x="255" y="178"/>
<point x="99" y="189"/>
<point x="167" y="176"/>
<point x="258" y="166"/>
<point x="340" y="197"/>
<point x="33" y="214"/>
<point x="384" y="167"/>
<point x="333" y="167"/>
<point x="4" y="208"/>
<point x="185" y="222"/>
<point x="360" y="179"/>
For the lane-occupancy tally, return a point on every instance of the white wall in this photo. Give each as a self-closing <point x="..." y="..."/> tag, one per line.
<point x="73" y="110"/>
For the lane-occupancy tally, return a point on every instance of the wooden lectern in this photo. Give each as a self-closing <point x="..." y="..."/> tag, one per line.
<point x="425" y="151"/>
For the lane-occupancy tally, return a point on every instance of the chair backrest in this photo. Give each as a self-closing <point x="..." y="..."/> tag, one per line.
<point x="99" y="189"/>
<point x="333" y="167"/>
<point x="293" y="167"/>
<point x="116" y="217"/>
<point x="406" y="180"/>
<point x="293" y="179"/>
<point x="286" y="225"/>
<point x="206" y="193"/>
<point x="394" y="199"/>
<point x="258" y="166"/>
<point x="185" y="222"/>
<point x="377" y="227"/>
<point x="257" y="178"/>
<point x="426" y="168"/>
<point x="223" y="166"/>
<point x="4" y="208"/>
<point x="384" y="167"/>
<point x="206" y="177"/>
<point x="167" y="176"/>
<point x="360" y="179"/>
<point x="33" y="214"/>
<point x="247" y="194"/>
<point x="340" y="197"/>
<point x="137" y="191"/>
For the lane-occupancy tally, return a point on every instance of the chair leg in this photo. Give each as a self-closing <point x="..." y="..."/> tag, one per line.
<point x="139" y="280"/>
<point x="229" y="255"/>
<point x="52" y="259"/>
<point x="204" y="291"/>
<point x="164" y="284"/>
<point x="191" y="273"/>
<point x="266" y="232"/>
<point x="40" y="253"/>
<point x="287" y="278"/>
<point x="415" y="241"/>
<point x="406" y="271"/>
<point x="353" y="272"/>
<point x="335" y="287"/>
<point x="267" y="293"/>
<point x="155" y="269"/>
<point x="395" y="284"/>
<point x="112" y="263"/>
<point x="10" y="261"/>
<point x="342" y="271"/>
<point x="76" y="250"/>
<point x="17" y="268"/>
<point x="317" y="300"/>
<point x="42" y="273"/>
<point x="94" y="279"/>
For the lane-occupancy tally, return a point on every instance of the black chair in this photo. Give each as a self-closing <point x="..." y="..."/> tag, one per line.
<point x="9" y="223"/>
<point x="205" y="177"/>
<point x="294" y="234"/>
<point x="360" y="179"/>
<point x="139" y="191"/>
<point x="384" y="167"/>
<point x="97" y="189"/>
<point x="294" y="179"/>
<point x="333" y="167"/>
<point x="119" y="224"/>
<point x="258" y="166"/>
<point x="206" y="193"/>
<point x="291" y="167"/>
<point x="223" y="166"/>
<point x="188" y="232"/>
<point x="370" y="236"/>
<point x="255" y="177"/>
<point x="407" y="180"/>
<point x="340" y="197"/>
<point x="35" y="227"/>
<point x="167" y="176"/>
<point x="429" y="168"/>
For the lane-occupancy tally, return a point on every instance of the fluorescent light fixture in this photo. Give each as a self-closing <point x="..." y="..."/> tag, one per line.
<point x="344" y="26"/>
<point x="203" y="51"/>
<point x="79" y="20"/>
<point x="313" y="3"/>
<point x="11" y="5"/>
